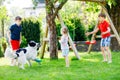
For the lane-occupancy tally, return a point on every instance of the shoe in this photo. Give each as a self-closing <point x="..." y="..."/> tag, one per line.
<point x="104" y="61"/>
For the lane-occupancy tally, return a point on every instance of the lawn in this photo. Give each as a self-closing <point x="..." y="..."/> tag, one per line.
<point x="90" y="67"/>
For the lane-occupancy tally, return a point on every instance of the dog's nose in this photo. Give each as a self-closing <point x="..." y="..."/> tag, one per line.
<point x="38" y="45"/>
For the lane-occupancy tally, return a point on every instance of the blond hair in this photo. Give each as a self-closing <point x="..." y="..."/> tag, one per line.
<point x="64" y="30"/>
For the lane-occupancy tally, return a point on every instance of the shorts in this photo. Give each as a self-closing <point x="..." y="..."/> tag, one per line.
<point x="15" y="44"/>
<point x="65" y="52"/>
<point x="105" y="42"/>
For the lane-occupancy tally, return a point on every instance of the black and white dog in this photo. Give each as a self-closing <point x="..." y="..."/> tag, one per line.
<point x="24" y="55"/>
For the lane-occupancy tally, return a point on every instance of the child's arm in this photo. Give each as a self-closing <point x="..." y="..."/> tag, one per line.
<point x="108" y="30"/>
<point x="62" y="40"/>
<point x="93" y="32"/>
<point x="20" y="37"/>
<point x="8" y="34"/>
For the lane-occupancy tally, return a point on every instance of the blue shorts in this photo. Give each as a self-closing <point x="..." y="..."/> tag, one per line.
<point x="65" y="52"/>
<point x="105" y="42"/>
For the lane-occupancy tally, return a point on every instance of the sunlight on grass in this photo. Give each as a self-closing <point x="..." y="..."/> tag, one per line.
<point x="4" y="61"/>
<point x="91" y="60"/>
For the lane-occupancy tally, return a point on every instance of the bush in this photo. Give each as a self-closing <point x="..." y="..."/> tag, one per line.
<point x="31" y="29"/>
<point x="75" y="27"/>
<point x="3" y="46"/>
<point x="91" y="28"/>
<point x="79" y="30"/>
<point x="24" y="42"/>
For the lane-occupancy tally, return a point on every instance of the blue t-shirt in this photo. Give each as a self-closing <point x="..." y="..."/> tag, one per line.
<point x="15" y="32"/>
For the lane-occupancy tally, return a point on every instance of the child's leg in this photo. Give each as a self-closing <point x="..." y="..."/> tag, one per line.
<point x="109" y="54"/>
<point x="103" y="53"/>
<point x="67" y="61"/>
<point x="13" y="61"/>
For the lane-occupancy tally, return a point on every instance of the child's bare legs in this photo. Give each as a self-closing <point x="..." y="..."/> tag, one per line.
<point x="104" y="54"/>
<point x="13" y="61"/>
<point x="67" y="61"/>
<point x="109" y="54"/>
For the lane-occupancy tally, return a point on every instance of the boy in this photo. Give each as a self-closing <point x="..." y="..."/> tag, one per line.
<point x="104" y="27"/>
<point x="14" y="35"/>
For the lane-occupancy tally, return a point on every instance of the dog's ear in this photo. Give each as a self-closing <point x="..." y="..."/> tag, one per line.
<point x="32" y="43"/>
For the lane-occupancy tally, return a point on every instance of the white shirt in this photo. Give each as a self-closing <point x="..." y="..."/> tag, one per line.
<point x="64" y="42"/>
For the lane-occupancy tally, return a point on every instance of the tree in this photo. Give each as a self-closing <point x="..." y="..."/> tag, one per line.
<point x="3" y="17"/>
<point x="51" y="13"/>
<point x="113" y="8"/>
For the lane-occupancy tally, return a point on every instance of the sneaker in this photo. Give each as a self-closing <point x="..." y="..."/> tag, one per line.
<point x="104" y="61"/>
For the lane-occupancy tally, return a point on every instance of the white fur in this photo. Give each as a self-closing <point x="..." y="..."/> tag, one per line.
<point x="31" y="54"/>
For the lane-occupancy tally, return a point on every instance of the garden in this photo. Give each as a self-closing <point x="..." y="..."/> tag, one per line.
<point x="80" y="17"/>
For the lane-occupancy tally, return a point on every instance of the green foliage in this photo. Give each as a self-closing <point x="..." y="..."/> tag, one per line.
<point x="90" y="29"/>
<point x="79" y="30"/>
<point x="75" y="27"/>
<point x="111" y="2"/>
<point x="31" y="29"/>
<point x="3" y="46"/>
<point x="3" y="12"/>
<point x="24" y="42"/>
<point x="92" y="7"/>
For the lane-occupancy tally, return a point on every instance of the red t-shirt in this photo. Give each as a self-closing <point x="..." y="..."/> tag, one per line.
<point x="103" y="27"/>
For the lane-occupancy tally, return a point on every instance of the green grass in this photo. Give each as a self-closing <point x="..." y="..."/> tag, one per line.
<point x="89" y="67"/>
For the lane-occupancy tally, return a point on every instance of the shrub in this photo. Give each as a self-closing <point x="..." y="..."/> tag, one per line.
<point x="91" y="28"/>
<point x="24" y="42"/>
<point x="75" y="27"/>
<point x="31" y="29"/>
<point x="3" y="46"/>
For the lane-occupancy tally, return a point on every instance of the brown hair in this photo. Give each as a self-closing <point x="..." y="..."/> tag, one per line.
<point x="64" y="30"/>
<point x="102" y="15"/>
<point x="18" y="18"/>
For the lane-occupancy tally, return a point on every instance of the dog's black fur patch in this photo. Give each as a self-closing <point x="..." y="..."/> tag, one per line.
<point x="19" y="50"/>
<point x="32" y="43"/>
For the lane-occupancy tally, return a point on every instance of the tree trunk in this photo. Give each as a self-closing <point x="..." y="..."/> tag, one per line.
<point x="2" y="24"/>
<point x="114" y="13"/>
<point x="51" y="13"/>
<point x="53" y="40"/>
<point x="52" y="30"/>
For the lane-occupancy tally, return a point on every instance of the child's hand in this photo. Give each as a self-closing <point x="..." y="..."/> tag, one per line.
<point x="103" y="33"/>
<point x="87" y="34"/>
<point x="20" y="41"/>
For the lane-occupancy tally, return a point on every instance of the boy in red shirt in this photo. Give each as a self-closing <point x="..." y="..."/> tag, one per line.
<point x="104" y="28"/>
